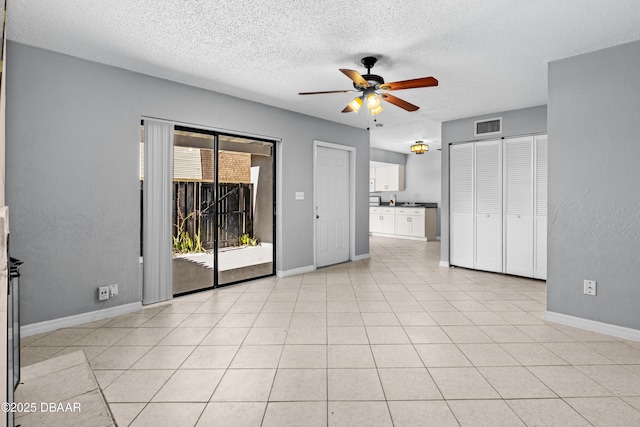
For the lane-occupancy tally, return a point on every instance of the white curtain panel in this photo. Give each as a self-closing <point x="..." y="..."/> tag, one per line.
<point x="156" y="234"/>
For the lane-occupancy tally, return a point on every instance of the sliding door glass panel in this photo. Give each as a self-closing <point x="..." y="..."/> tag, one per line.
<point x="245" y="241"/>
<point x="193" y="221"/>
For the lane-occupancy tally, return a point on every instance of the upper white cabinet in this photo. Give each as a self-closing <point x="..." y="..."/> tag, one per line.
<point x="389" y="178"/>
<point x="498" y="211"/>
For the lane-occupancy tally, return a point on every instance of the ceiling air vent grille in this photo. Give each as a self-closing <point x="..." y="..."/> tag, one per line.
<point x="488" y="127"/>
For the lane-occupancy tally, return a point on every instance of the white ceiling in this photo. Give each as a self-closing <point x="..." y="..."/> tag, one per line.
<point x="488" y="55"/>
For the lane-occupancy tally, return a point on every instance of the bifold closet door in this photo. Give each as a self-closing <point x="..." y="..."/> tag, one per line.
<point x="540" y="254"/>
<point x="461" y="181"/>
<point x="518" y="206"/>
<point x="488" y="206"/>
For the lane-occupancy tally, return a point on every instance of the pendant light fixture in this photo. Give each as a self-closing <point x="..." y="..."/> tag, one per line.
<point x="419" y="147"/>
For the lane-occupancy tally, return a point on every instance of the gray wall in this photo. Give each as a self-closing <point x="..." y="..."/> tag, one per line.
<point x="73" y="129"/>
<point x="263" y="219"/>
<point x="594" y="195"/>
<point x="525" y="121"/>
<point x="385" y="156"/>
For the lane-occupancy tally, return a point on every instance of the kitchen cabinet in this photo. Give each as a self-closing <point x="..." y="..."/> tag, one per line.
<point x="410" y="222"/>
<point x="389" y="178"/>
<point x="382" y="220"/>
<point x="415" y="223"/>
<point x="375" y="220"/>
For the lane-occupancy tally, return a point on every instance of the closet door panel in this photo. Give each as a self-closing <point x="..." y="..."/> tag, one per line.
<point x="519" y="246"/>
<point x="461" y="181"/>
<point x="518" y="206"/>
<point x="541" y="180"/>
<point x="541" y="248"/>
<point x="488" y="205"/>
<point x="489" y="243"/>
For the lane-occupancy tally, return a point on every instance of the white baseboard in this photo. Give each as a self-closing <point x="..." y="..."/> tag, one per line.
<point x="361" y="257"/>
<point x="444" y="264"/>
<point x="78" y="319"/>
<point x="296" y="271"/>
<point x="594" y="326"/>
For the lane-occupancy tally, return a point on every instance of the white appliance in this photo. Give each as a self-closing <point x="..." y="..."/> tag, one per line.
<point x="372" y="185"/>
<point x="374" y="200"/>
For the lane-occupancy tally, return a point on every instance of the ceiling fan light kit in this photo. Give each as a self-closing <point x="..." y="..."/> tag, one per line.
<point x="369" y="84"/>
<point x="419" y="147"/>
<point x="356" y="104"/>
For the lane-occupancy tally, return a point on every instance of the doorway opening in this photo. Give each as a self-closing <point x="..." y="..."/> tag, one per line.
<point x="222" y="206"/>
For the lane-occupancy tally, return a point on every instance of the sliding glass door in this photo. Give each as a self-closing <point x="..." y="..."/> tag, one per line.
<point x="245" y="245"/>
<point x="193" y="218"/>
<point x="222" y="209"/>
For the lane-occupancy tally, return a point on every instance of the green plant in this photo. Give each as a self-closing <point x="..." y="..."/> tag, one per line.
<point x="246" y="240"/>
<point x="182" y="241"/>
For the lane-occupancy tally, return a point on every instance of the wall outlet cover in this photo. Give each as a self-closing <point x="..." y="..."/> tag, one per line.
<point x="103" y="293"/>
<point x="113" y="290"/>
<point x="590" y="287"/>
<point x="299" y="195"/>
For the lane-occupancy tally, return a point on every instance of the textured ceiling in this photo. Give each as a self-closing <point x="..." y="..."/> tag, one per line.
<point x="488" y="55"/>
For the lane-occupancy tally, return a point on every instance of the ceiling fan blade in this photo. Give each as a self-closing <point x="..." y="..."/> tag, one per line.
<point x="347" y="109"/>
<point x="399" y="102"/>
<point x="328" y="91"/>
<point x="410" y="84"/>
<point x="356" y="77"/>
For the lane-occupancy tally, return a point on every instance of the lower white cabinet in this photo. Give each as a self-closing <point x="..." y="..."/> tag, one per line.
<point x="375" y="220"/>
<point x="411" y="223"/>
<point x="382" y="220"/>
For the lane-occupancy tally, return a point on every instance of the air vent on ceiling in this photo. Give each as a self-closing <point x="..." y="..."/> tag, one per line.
<point x="488" y="127"/>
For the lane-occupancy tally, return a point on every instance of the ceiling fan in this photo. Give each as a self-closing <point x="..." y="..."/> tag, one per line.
<point x="374" y="89"/>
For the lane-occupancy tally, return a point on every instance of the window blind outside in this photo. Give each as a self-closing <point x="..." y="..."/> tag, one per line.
<point x="158" y="181"/>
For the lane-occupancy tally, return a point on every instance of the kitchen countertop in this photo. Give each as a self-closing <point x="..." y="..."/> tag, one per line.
<point x="417" y="205"/>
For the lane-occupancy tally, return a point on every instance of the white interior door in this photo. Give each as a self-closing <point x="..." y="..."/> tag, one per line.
<point x="518" y="182"/>
<point x="461" y="180"/>
<point x="488" y="213"/>
<point x="332" y="206"/>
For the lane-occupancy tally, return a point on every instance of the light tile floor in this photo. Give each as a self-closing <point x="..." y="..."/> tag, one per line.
<point x="394" y="340"/>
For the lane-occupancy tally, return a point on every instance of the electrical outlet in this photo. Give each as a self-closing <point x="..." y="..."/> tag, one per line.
<point x="299" y="195"/>
<point x="113" y="290"/>
<point x="103" y="293"/>
<point x="590" y="287"/>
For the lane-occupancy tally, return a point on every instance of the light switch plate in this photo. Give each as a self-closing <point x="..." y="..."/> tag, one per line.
<point x="299" y="195"/>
